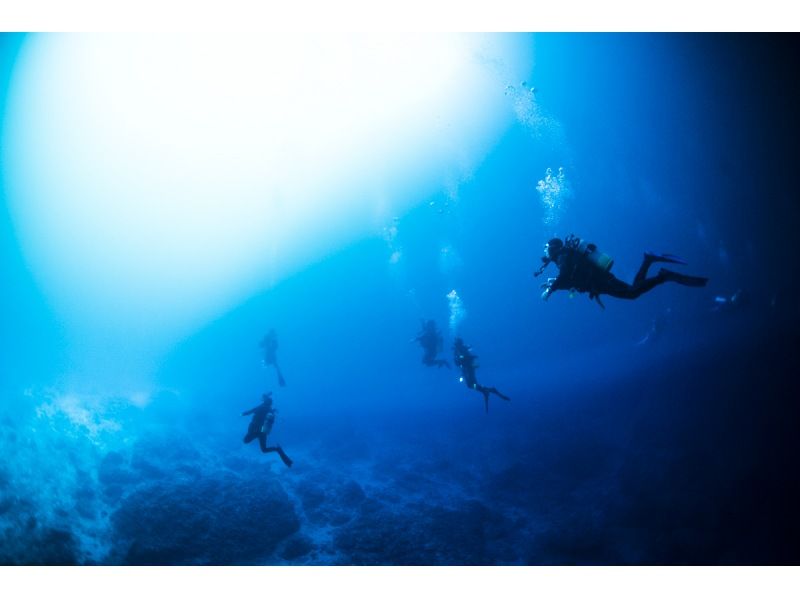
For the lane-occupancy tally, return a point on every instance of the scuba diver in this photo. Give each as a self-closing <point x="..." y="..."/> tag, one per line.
<point x="584" y="269"/>
<point x="735" y="302"/>
<point x="465" y="360"/>
<point x="270" y="345"/>
<point x="431" y="341"/>
<point x="656" y="329"/>
<point x="261" y="425"/>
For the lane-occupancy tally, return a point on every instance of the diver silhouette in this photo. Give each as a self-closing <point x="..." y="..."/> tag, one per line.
<point x="584" y="269"/>
<point x="430" y="340"/>
<point x="736" y="302"/>
<point x="466" y="362"/>
<point x="270" y="345"/>
<point x="261" y="425"/>
<point x="657" y="327"/>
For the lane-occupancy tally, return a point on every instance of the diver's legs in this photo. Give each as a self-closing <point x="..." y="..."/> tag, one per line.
<point x="617" y="288"/>
<point x="262" y="441"/>
<point x="684" y="279"/>
<point x="622" y="290"/>
<point x="486" y="391"/>
<point x="498" y="393"/>
<point x="249" y="437"/>
<point x="642" y="273"/>
<point x="650" y="258"/>
<point x="281" y="381"/>
<point x="277" y="449"/>
<point x="284" y="457"/>
<point x="634" y="291"/>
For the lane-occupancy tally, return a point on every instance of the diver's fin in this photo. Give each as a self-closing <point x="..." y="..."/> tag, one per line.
<point x="664" y="257"/>
<point x="689" y="281"/>
<point x="284" y="457"/>
<point x="281" y="381"/>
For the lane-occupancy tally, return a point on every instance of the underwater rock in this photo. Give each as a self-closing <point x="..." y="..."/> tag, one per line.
<point x="422" y="535"/>
<point x="29" y="544"/>
<point x="296" y="547"/>
<point x="352" y="494"/>
<point x="147" y="468"/>
<point x="114" y="471"/>
<point x="237" y="463"/>
<point x="311" y="496"/>
<point x="221" y="520"/>
<point x="327" y="501"/>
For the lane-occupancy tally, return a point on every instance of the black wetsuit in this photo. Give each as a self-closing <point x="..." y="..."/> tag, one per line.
<point x="431" y="342"/>
<point x="576" y="272"/>
<point x="270" y="345"/>
<point x="465" y="360"/>
<point x="260" y="427"/>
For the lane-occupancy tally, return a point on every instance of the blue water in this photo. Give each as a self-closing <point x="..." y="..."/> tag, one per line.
<point x="618" y="446"/>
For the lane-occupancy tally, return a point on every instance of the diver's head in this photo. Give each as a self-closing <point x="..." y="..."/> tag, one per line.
<point x="267" y="398"/>
<point x="553" y="247"/>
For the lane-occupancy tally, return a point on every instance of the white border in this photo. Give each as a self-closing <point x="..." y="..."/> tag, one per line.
<point x="398" y="15"/>
<point x="401" y="582"/>
<point x="411" y="15"/>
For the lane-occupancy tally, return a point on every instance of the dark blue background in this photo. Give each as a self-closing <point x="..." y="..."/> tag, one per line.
<point x="680" y="450"/>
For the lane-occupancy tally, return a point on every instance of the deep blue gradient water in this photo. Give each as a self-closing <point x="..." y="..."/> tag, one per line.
<point x="655" y="431"/>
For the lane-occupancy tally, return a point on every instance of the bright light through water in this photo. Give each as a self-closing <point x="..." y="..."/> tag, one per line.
<point x="158" y="181"/>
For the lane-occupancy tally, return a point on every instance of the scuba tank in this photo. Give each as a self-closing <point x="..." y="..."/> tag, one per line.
<point x="600" y="260"/>
<point x="269" y="421"/>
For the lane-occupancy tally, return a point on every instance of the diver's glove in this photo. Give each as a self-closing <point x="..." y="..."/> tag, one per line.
<point x="596" y="297"/>
<point x="548" y="288"/>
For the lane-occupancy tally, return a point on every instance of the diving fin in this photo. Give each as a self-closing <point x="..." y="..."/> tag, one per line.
<point x="664" y="257"/>
<point x="284" y="457"/>
<point x="281" y="381"/>
<point x="689" y="281"/>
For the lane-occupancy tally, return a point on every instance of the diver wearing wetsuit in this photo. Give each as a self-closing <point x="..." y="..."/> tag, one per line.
<point x="465" y="360"/>
<point x="584" y="269"/>
<point x="431" y="342"/>
<point x="739" y="300"/>
<point x="261" y="425"/>
<point x="270" y="346"/>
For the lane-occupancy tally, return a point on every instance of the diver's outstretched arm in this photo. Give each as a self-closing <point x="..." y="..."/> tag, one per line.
<point x="253" y="410"/>
<point x="552" y="285"/>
